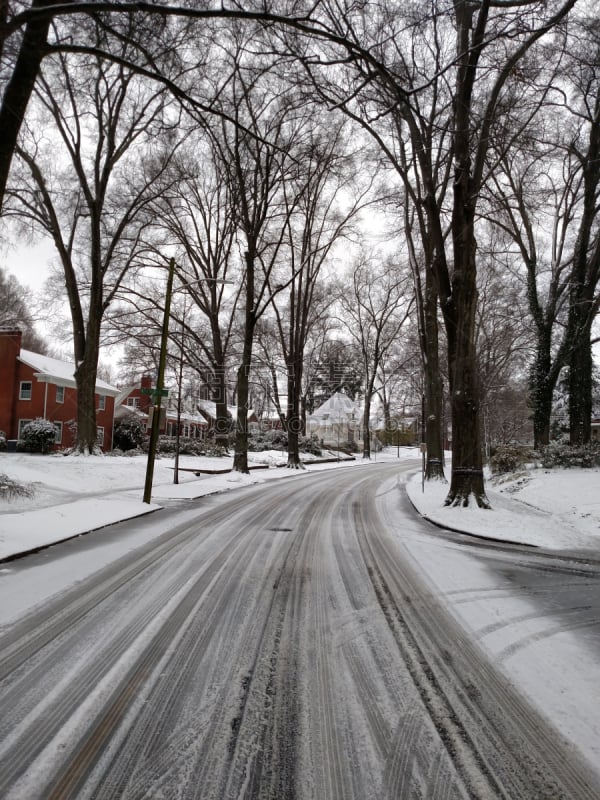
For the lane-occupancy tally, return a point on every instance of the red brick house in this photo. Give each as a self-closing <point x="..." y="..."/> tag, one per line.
<point x="34" y="385"/>
<point x="134" y="401"/>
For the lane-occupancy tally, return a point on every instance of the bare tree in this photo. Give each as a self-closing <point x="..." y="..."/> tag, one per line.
<point x="255" y="154"/>
<point x="15" y="312"/>
<point x="584" y="298"/>
<point x="198" y="216"/>
<point x="544" y="196"/>
<point x="29" y="34"/>
<point x="533" y="207"/>
<point x="395" y="385"/>
<point x="316" y="219"/>
<point x="444" y="73"/>
<point x="375" y="308"/>
<point x="91" y="193"/>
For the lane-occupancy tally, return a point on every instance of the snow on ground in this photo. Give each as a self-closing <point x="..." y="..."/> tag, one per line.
<point x="549" y="654"/>
<point x="555" y="509"/>
<point x="78" y="494"/>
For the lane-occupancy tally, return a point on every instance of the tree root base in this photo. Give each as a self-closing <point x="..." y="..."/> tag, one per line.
<point x="468" y="500"/>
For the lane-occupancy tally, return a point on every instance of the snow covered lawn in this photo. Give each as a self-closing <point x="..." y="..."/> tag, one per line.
<point x="77" y="494"/>
<point x="555" y="509"/>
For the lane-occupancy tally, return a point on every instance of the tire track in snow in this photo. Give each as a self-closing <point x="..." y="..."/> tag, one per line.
<point x="499" y="744"/>
<point x="56" y="712"/>
<point x="302" y="659"/>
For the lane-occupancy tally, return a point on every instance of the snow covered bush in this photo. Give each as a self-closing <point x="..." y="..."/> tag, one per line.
<point x="215" y="450"/>
<point x="38" y="435"/>
<point x="128" y="434"/>
<point x="562" y="454"/>
<point x="136" y="451"/>
<point x="508" y="458"/>
<point x="191" y="447"/>
<point x="310" y="444"/>
<point x="10" y="488"/>
<point x="167" y="446"/>
<point x="2" y="440"/>
<point x="259" y="441"/>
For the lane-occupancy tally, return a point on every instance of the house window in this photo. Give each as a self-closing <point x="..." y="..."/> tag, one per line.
<point x="101" y="402"/>
<point x="60" y="394"/>
<point x="25" y="391"/>
<point x="22" y="423"/>
<point x="133" y="402"/>
<point x="58" y="434"/>
<point x="100" y="435"/>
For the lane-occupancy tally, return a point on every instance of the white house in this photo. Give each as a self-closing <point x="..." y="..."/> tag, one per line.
<point x="337" y="421"/>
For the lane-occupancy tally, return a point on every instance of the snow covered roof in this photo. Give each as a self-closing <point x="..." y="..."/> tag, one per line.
<point x="129" y="411"/>
<point x="185" y="416"/>
<point x="209" y="407"/>
<point x="124" y="394"/>
<point x="338" y="406"/>
<point x="53" y="370"/>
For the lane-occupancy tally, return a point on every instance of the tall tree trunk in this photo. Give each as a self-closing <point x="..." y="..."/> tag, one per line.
<point x="240" y="458"/>
<point x="580" y="387"/>
<point x="541" y="390"/>
<point x="87" y="350"/>
<point x="294" y="421"/>
<point x="583" y="289"/>
<point x="459" y="309"/>
<point x="303" y="400"/>
<point x="467" y="457"/>
<point x="85" y="378"/>
<point x="367" y="426"/>
<point x="434" y="465"/>
<point x="467" y="462"/>
<point x="428" y="329"/>
<point x="222" y="425"/>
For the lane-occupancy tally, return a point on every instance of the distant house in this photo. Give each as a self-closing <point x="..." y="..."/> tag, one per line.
<point x="134" y="401"/>
<point x="33" y="385"/>
<point x="336" y="422"/>
<point x="271" y="421"/>
<point x="208" y="409"/>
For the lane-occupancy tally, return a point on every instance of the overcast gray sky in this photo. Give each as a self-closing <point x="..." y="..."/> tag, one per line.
<point x="29" y="263"/>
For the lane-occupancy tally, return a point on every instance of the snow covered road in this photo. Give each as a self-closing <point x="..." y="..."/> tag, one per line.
<point x="278" y="643"/>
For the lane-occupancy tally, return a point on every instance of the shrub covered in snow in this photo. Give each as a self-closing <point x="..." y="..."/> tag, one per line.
<point x="128" y="434"/>
<point x="136" y="451"/>
<point x="215" y="451"/>
<point x="259" y="441"/>
<point x="38" y="435"/>
<point x="2" y="440"/>
<point x="10" y="488"/>
<point x="509" y="458"/>
<point x="562" y="454"/>
<point x="310" y="444"/>
<point x="187" y="447"/>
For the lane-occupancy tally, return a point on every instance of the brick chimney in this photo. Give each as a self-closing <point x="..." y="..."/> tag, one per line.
<point x="10" y="349"/>
<point x="146" y="399"/>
